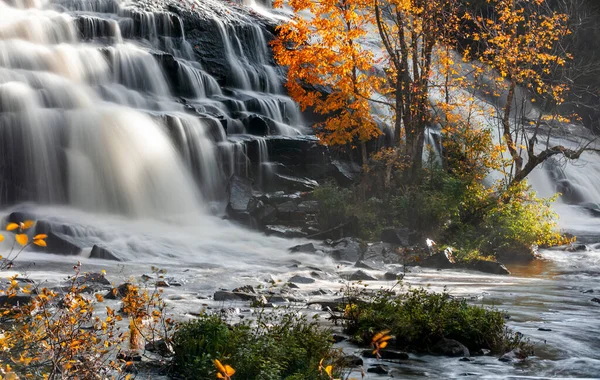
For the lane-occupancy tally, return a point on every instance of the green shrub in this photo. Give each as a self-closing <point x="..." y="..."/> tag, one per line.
<point x="274" y="347"/>
<point x="419" y="319"/>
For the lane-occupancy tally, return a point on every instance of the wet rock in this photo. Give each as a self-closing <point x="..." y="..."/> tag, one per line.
<point x="379" y="369"/>
<point x="361" y="276"/>
<point x="118" y="292"/>
<point x="486" y="266"/>
<point x="294" y="183"/>
<point x="301" y="280"/>
<point x="245" y="289"/>
<point x="6" y="301"/>
<point x="285" y="231"/>
<point x="440" y="260"/>
<point x="345" y="172"/>
<point x="465" y="359"/>
<point x="240" y="192"/>
<point x="223" y="295"/>
<point x="588" y="291"/>
<point x="393" y="276"/>
<point x="160" y="347"/>
<point x="289" y="206"/>
<point x="398" y="236"/>
<point x="305" y="248"/>
<point x="102" y="253"/>
<point x="309" y="206"/>
<point x="93" y="278"/>
<point x="514" y="355"/>
<point x="386" y="354"/>
<point x="482" y="352"/>
<point x="370" y="265"/>
<point x="320" y="292"/>
<point x="577" y="248"/>
<point x="259" y="125"/>
<point x="333" y="304"/>
<point x="347" y="249"/>
<point x="597" y="300"/>
<point x="544" y="329"/>
<point x="129" y="356"/>
<point x="352" y="361"/>
<point x="337" y="338"/>
<point x="384" y="252"/>
<point x="450" y="347"/>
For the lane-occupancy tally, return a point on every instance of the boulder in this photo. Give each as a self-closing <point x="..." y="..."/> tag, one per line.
<point x="345" y="172"/>
<point x="240" y="193"/>
<point x="222" y="295"/>
<point x="301" y="280"/>
<point x="450" y="347"/>
<point x="440" y="260"/>
<point x="379" y="369"/>
<point x="361" y="276"/>
<point x="102" y="253"/>
<point x="514" y="355"/>
<point x="260" y="125"/>
<point x="347" y="249"/>
<point x="384" y="252"/>
<point x="306" y="248"/>
<point x="386" y="354"/>
<point x="486" y="266"/>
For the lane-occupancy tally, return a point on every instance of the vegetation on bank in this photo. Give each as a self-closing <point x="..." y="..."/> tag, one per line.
<point x="419" y="319"/>
<point x="472" y="193"/>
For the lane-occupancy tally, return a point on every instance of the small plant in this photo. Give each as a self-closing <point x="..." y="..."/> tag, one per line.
<point x="224" y="371"/>
<point x="379" y="342"/>
<point x="22" y="240"/>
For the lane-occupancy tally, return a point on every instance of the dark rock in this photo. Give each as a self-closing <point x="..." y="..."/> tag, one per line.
<point x="301" y="280"/>
<point x="316" y="275"/>
<point x="384" y="252"/>
<point x="378" y="369"/>
<point x="347" y="249"/>
<point x="361" y="276"/>
<point x="398" y="236"/>
<point x="223" y="295"/>
<point x="597" y="300"/>
<point x="118" y="292"/>
<point x="333" y="304"/>
<point x="570" y="193"/>
<point x="292" y="285"/>
<point x="440" y="260"/>
<point x="160" y="347"/>
<point x="450" y="347"/>
<point x="129" y="356"/>
<point x="92" y="279"/>
<point x="386" y="354"/>
<point x="285" y="231"/>
<point x="337" y="338"/>
<point x="352" y="361"/>
<point x="20" y="216"/>
<point x="102" y="253"/>
<point x="370" y="265"/>
<point x="544" y="329"/>
<point x="62" y="244"/>
<point x="260" y="125"/>
<point x="577" y="248"/>
<point x="6" y="301"/>
<point x="289" y="206"/>
<point x="345" y="173"/>
<point x="392" y="276"/>
<point x="245" y="289"/>
<point x="487" y="266"/>
<point x="588" y="291"/>
<point x="309" y="206"/>
<point x="294" y="183"/>
<point x="482" y="352"/>
<point x="306" y="248"/>
<point x="466" y="359"/>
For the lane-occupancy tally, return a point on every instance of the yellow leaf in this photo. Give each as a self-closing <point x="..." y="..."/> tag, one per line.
<point x="1" y="237"/>
<point x="40" y="242"/>
<point x="380" y="335"/>
<point x="27" y="224"/>
<point x="99" y="297"/>
<point x="219" y="366"/>
<point x="228" y="370"/>
<point x="12" y="226"/>
<point x="383" y="345"/>
<point x="329" y="369"/>
<point x="22" y="239"/>
<point x="40" y="236"/>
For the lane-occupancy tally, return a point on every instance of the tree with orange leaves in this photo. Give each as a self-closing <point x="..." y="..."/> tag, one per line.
<point x="323" y="51"/>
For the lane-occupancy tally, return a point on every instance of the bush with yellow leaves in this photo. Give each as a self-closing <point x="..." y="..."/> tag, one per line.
<point x="59" y="334"/>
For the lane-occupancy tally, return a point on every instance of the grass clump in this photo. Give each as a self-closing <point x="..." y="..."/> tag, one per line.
<point x="273" y="347"/>
<point x="419" y="319"/>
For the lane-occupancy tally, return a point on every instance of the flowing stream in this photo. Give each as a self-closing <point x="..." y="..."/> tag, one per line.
<point x="110" y="125"/>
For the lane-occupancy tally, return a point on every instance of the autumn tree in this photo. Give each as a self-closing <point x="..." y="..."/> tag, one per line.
<point x="521" y="43"/>
<point x="323" y="51"/>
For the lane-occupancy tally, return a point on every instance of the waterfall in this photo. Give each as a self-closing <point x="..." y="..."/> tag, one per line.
<point x="104" y="105"/>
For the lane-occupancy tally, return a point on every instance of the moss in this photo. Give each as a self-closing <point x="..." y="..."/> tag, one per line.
<point x="419" y="319"/>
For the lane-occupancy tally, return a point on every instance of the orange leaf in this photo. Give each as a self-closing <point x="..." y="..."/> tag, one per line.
<point x="22" y="239"/>
<point x="1" y="237"/>
<point x="383" y="345"/>
<point x="40" y="236"/>
<point x="228" y="370"/>
<point x="12" y="226"/>
<point x="27" y="224"/>
<point x="219" y="366"/>
<point x="40" y="243"/>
